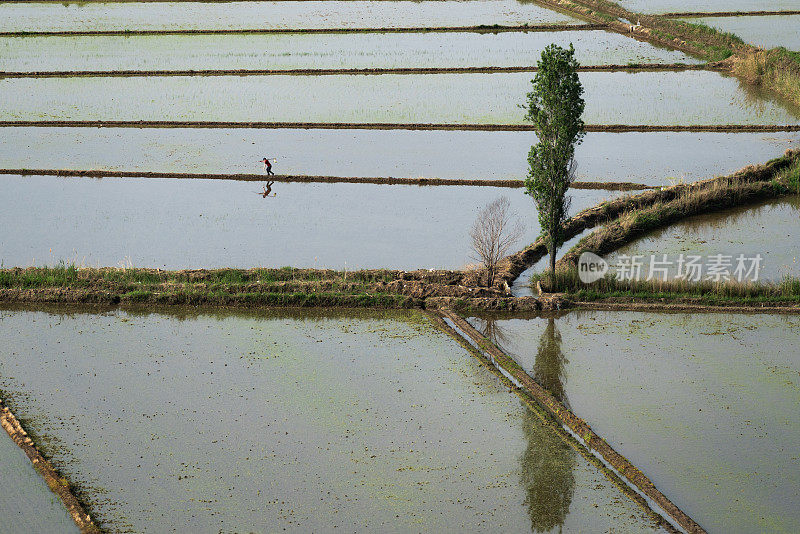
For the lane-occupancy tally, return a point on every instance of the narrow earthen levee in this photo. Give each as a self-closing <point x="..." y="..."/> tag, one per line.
<point x="55" y="482"/>
<point x="577" y="426"/>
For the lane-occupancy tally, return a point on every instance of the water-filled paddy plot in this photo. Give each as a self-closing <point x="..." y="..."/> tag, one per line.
<point x="329" y="14"/>
<point x="265" y="420"/>
<point x="705" y="6"/>
<point x="688" y="398"/>
<point x="177" y="224"/>
<point x="762" y="31"/>
<point x="319" y="51"/>
<point x="648" y="98"/>
<point x="650" y="158"/>
<point x="307" y="421"/>
<point x="740" y="231"/>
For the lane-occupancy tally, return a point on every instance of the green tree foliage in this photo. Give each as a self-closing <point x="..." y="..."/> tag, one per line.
<point x="555" y="107"/>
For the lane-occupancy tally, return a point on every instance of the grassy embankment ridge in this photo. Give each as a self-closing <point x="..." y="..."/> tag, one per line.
<point x="777" y="69"/>
<point x="226" y="287"/>
<point x="719" y="195"/>
<point x="624" y="219"/>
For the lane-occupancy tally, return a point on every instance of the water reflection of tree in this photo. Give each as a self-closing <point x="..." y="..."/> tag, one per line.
<point x="549" y="367"/>
<point x="491" y="330"/>
<point x="547" y="475"/>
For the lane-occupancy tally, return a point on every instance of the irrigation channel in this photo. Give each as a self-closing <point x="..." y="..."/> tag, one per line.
<point x="131" y="133"/>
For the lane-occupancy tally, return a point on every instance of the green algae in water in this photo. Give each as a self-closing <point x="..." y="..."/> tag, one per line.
<point x="305" y="421"/>
<point x="704" y="404"/>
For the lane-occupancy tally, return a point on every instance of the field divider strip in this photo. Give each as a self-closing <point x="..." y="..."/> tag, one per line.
<point x="645" y="67"/>
<point x="697" y="15"/>
<point x="612" y="128"/>
<point x="54" y="481"/>
<point x="388" y="180"/>
<point x="251" y="31"/>
<point x="579" y="428"/>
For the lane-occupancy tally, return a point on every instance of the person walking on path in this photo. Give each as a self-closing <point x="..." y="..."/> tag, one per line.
<point x="267" y="167"/>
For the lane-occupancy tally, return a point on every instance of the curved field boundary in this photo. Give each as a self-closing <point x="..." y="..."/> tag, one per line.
<point x="55" y="482"/>
<point x="626" y="229"/>
<point x="614" y="128"/>
<point x="245" y="31"/>
<point x="610" y="186"/>
<point x="579" y="428"/>
<point x="515" y="264"/>
<point x="647" y="67"/>
<point x="695" y="14"/>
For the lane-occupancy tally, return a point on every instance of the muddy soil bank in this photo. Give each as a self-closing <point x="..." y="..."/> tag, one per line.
<point x="411" y="29"/>
<point x="610" y="128"/>
<point x="696" y="14"/>
<point x="55" y="482"/>
<point x="609" y="186"/>
<point x="655" y="67"/>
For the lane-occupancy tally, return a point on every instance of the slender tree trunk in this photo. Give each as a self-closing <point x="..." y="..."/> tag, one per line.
<point x="553" y="261"/>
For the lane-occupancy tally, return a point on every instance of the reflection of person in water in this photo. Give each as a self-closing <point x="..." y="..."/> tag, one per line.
<point x="267" y="190"/>
<point x="547" y="474"/>
<point x="548" y="369"/>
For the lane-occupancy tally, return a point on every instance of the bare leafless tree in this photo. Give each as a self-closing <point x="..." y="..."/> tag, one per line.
<point x="494" y="231"/>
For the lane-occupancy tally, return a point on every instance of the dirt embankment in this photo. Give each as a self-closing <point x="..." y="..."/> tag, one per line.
<point x="577" y="425"/>
<point x="698" y="14"/>
<point x="57" y="484"/>
<point x="610" y="186"/>
<point x="642" y="67"/>
<point x="253" y="31"/>
<point x="612" y="128"/>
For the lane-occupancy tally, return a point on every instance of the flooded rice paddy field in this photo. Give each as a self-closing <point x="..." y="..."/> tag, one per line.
<point x="649" y="98"/>
<point x="304" y="421"/>
<point x="176" y="224"/>
<point x="320" y="51"/>
<point x="764" y="31"/>
<point x="769" y="229"/>
<point x="655" y="158"/>
<point x="704" y="404"/>
<point x="704" y="6"/>
<point x="331" y="14"/>
<point x="26" y="503"/>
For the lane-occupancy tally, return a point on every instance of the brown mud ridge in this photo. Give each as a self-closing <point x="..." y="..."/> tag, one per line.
<point x="696" y="14"/>
<point x="578" y="426"/>
<point x="55" y="482"/>
<point x="642" y="67"/>
<point x="757" y="176"/>
<point x="685" y="305"/>
<point x="251" y="31"/>
<point x="610" y="128"/>
<point x="478" y="182"/>
<point x="267" y="287"/>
